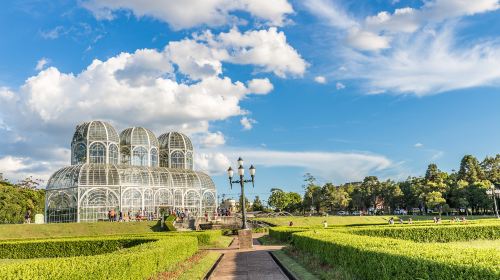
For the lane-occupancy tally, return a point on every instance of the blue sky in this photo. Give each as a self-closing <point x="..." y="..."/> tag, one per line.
<point x="341" y="89"/>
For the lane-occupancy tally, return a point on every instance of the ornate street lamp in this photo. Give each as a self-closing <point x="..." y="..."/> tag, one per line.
<point x="242" y="181"/>
<point x="494" y="193"/>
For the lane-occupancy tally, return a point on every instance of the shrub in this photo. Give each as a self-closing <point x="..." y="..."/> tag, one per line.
<point x="205" y="237"/>
<point x="450" y="233"/>
<point x="367" y="257"/>
<point x="284" y="234"/>
<point x="138" y="262"/>
<point x="65" y="247"/>
<point x="169" y="223"/>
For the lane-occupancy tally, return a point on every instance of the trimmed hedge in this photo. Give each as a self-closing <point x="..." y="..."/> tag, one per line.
<point x="284" y="234"/>
<point x="206" y="237"/>
<point x="450" y="233"/>
<point x="55" y="248"/>
<point x="367" y="257"/>
<point x="138" y="262"/>
<point x="169" y="223"/>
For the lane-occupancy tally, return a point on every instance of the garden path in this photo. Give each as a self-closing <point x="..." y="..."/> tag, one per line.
<point x="255" y="263"/>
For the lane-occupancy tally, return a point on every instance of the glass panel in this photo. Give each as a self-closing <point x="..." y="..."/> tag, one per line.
<point x="97" y="153"/>
<point x="140" y="157"/>
<point x="113" y="154"/>
<point x="178" y="160"/>
<point x="154" y="158"/>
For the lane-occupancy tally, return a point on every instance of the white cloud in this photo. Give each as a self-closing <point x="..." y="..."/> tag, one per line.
<point x="144" y="88"/>
<point x="418" y="145"/>
<point x="42" y="63"/>
<point x="192" y="13"/>
<point x="320" y="79"/>
<point x="212" y="163"/>
<point x="367" y="41"/>
<point x="260" y="86"/>
<point x="211" y="140"/>
<point x="412" y="50"/>
<point x="267" y="49"/>
<point x="53" y="33"/>
<point x="247" y="123"/>
<point x="336" y="166"/>
<point x="339" y="86"/>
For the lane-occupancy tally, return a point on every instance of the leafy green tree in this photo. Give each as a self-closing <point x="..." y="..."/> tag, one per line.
<point x="15" y="201"/>
<point x="470" y="171"/>
<point x="335" y="198"/>
<point x="313" y="198"/>
<point x="294" y="202"/>
<point x="257" y="204"/>
<point x="491" y="169"/>
<point x="278" y="199"/>
<point x="435" y="200"/>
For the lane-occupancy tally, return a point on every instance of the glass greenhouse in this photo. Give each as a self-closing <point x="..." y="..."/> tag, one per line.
<point x="134" y="173"/>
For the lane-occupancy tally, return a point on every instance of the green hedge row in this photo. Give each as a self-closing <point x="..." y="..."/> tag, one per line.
<point x="450" y="233"/>
<point x="139" y="262"/>
<point x="367" y="257"/>
<point x="65" y="247"/>
<point x="205" y="237"/>
<point x="284" y="234"/>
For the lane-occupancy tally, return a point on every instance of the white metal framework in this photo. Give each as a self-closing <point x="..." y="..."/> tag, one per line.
<point x="176" y="150"/>
<point x="95" y="183"/>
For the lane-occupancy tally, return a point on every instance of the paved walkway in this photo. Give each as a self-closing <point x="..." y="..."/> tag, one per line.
<point x="248" y="264"/>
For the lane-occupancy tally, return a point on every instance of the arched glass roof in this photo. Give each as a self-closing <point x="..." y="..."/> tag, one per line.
<point x="138" y="136"/>
<point x="86" y="175"/>
<point x="95" y="131"/>
<point x="175" y="140"/>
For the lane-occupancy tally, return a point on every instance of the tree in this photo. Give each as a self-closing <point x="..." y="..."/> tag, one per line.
<point x="15" y="201"/>
<point x="294" y="202"/>
<point x="335" y="198"/>
<point x="435" y="199"/>
<point x="257" y="204"/>
<point x="313" y="198"/>
<point x="278" y="199"/>
<point x="470" y="171"/>
<point x="491" y="169"/>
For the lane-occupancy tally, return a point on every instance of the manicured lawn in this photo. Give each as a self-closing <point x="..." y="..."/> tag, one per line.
<point x="294" y="267"/>
<point x="22" y="231"/>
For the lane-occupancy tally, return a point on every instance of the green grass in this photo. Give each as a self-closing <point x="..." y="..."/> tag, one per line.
<point x="348" y="220"/>
<point x="23" y="231"/>
<point x="294" y="267"/>
<point x="201" y="268"/>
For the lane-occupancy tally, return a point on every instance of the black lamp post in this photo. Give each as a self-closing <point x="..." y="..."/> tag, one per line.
<point x="494" y="193"/>
<point x="242" y="181"/>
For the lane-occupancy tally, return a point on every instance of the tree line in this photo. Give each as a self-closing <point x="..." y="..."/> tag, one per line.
<point x="17" y="199"/>
<point x="462" y="191"/>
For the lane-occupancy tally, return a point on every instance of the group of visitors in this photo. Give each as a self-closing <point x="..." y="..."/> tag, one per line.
<point x="401" y="221"/>
<point x="119" y="216"/>
<point x="223" y="212"/>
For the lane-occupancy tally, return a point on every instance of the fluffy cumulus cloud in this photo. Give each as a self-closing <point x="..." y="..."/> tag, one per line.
<point x="412" y="49"/>
<point x="192" y="13"/>
<point x="181" y="87"/>
<point x="247" y="123"/>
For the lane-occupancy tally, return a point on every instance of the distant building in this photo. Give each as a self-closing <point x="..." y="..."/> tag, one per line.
<point x="132" y="172"/>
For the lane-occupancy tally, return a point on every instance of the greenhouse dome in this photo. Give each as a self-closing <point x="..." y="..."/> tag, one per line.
<point x="96" y="184"/>
<point x="176" y="150"/>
